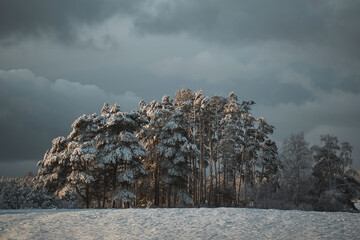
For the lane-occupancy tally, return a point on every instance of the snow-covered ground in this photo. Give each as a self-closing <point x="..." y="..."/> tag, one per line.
<point x="195" y="223"/>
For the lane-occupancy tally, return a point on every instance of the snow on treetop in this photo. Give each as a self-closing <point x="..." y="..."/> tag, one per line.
<point x="189" y="147"/>
<point x="137" y="150"/>
<point x="159" y="121"/>
<point x="166" y="151"/>
<point x="80" y="176"/>
<point x="72" y="145"/>
<point x="185" y="198"/>
<point x="124" y="153"/>
<point x="49" y="159"/>
<point x="174" y="171"/>
<point x="88" y="157"/>
<point x="58" y="144"/>
<point x="63" y="157"/>
<point x="65" y="191"/>
<point x="232" y="97"/>
<point x="166" y="99"/>
<point x="169" y="152"/>
<point x="124" y="195"/>
<point x="53" y="176"/>
<point x="126" y="136"/>
<point x="128" y="176"/>
<point x="79" y="121"/>
<point x="110" y="157"/>
<point x="170" y="125"/>
<point x="165" y="178"/>
<point x="109" y="147"/>
<point x="115" y="108"/>
<point x="174" y="140"/>
<point x="179" y="159"/>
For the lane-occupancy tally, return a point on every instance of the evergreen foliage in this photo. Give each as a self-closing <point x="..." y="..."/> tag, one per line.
<point x="190" y="151"/>
<point x="334" y="188"/>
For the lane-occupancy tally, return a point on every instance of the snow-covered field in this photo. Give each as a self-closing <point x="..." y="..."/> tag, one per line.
<point x="195" y="223"/>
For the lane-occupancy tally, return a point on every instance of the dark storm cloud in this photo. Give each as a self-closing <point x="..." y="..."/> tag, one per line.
<point x="335" y="112"/>
<point x="325" y="22"/>
<point x="333" y="23"/>
<point x="55" y="19"/>
<point x="34" y="110"/>
<point x="299" y="60"/>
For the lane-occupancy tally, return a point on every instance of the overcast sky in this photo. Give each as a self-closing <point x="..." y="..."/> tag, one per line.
<point x="298" y="60"/>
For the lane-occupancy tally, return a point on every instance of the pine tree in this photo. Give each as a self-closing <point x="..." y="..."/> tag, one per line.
<point x="150" y="138"/>
<point x="334" y="189"/>
<point x="231" y="145"/>
<point x="185" y="102"/>
<point x="213" y="112"/>
<point x="297" y="161"/>
<point x="328" y="163"/>
<point x="166" y="139"/>
<point x="175" y="149"/>
<point x="248" y="150"/>
<point x="121" y="152"/>
<point x="93" y="158"/>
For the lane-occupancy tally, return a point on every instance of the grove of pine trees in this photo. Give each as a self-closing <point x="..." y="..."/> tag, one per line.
<point x="193" y="151"/>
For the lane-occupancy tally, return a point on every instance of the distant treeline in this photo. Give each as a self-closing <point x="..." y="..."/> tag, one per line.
<point x="192" y="151"/>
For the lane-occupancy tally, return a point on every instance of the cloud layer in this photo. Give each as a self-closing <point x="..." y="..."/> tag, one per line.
<point x="34" y="110"/>
<point x="59" y="20"/>
<point x="299" y="60"/>
<point x="329" y="23"/>
<point x="238" y="22"/>
<point x="335" y="113"/>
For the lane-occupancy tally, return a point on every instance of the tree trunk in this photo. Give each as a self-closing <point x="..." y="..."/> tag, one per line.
<point x="205" y="187"/>
<point x="225" y="198"/>
<point x="239" y="190"/>
<point x="105" y="188"/>
<point x="114" y="181"/>
<point x="234" y="186"/>
<point x="156" y="185"/>
<point x="168" y="196"/>
<point x="218" y="166"/>
<point x="211" y="164"/>
<point x="201" y="163"/>
<point x="87" y="197"/>
<point x="297" y="185"/>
